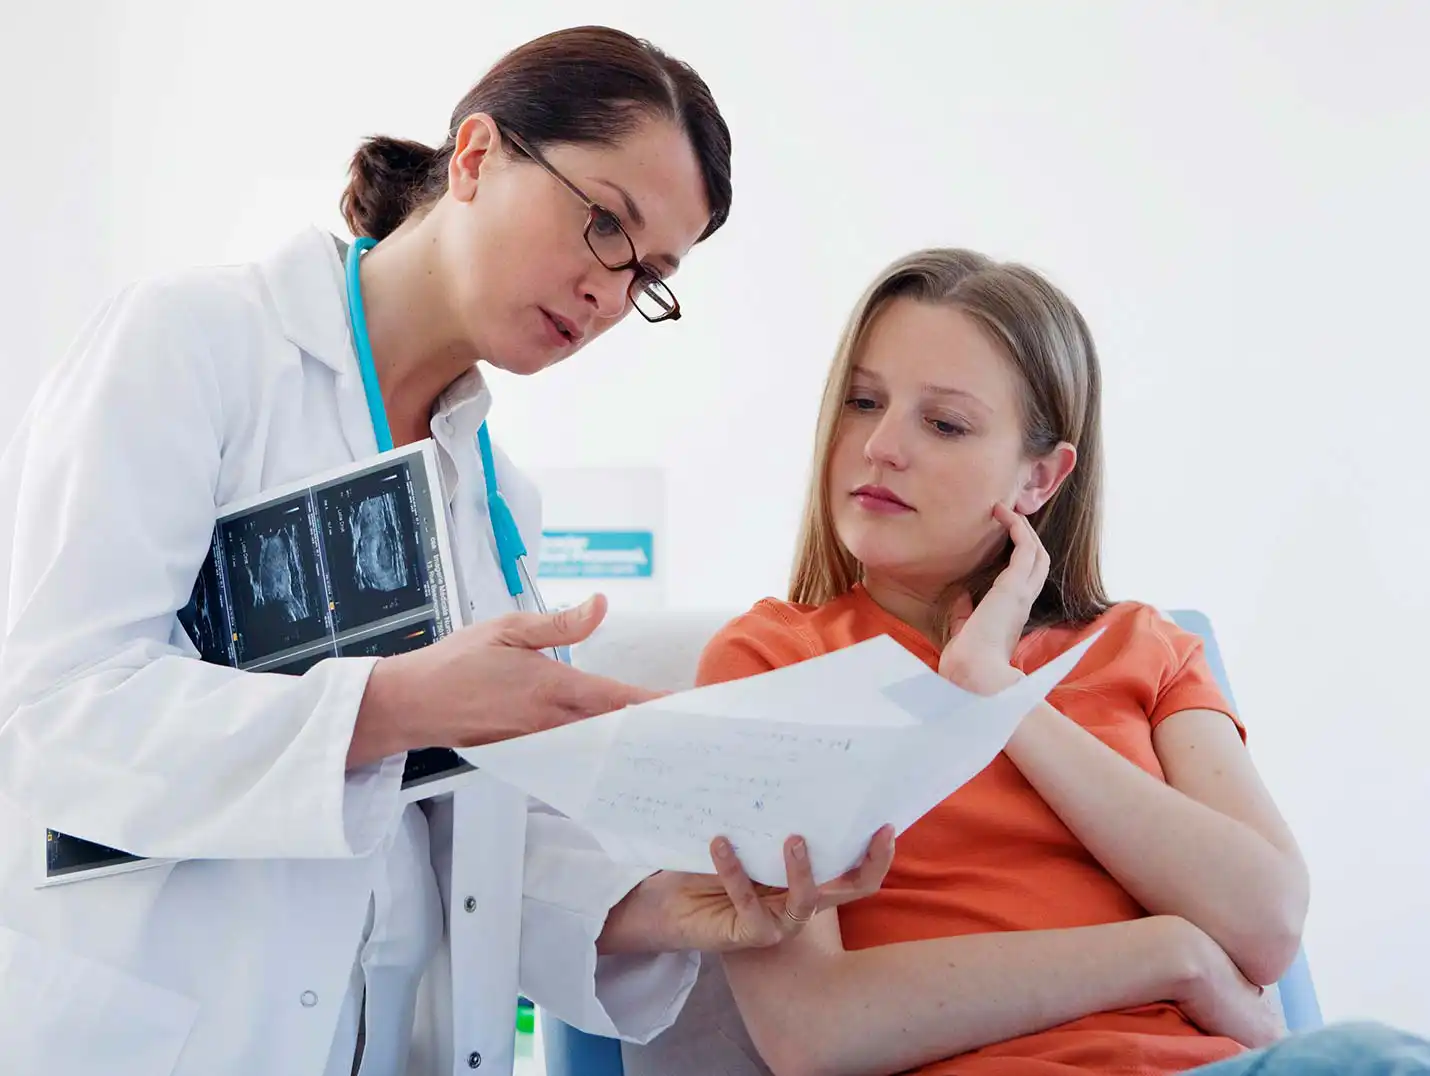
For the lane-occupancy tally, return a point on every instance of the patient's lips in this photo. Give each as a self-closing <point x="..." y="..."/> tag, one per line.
<point x="881" y="500"/>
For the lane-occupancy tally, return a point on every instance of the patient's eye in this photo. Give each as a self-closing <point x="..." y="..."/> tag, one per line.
<point x="944" y="428"/>
<point x="861" y="402"/>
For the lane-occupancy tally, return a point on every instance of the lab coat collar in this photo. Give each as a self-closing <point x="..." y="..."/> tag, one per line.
<point x="465" y="403"/>
<point x="308" y="289"/>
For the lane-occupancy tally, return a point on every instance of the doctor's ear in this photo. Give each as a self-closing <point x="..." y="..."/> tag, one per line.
<point x="1043" y="477"/>
<point x="476" y="137"/>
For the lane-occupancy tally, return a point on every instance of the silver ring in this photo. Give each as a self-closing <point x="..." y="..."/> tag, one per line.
<point x="796" y="919"/>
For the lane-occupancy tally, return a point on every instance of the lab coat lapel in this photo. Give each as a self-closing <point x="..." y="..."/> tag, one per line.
<point x="307" y="285"/>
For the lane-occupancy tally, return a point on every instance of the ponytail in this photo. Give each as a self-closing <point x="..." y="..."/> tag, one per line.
<point x="388" y="179"/>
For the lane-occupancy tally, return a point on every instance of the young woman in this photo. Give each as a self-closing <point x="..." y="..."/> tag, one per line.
<point x="1113" y="892"/>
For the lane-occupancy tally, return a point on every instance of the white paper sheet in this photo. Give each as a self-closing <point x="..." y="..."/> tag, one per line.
<point x="830" y="749"/>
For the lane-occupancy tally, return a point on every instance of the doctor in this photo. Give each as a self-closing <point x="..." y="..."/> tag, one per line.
<point x="308" y="922"/>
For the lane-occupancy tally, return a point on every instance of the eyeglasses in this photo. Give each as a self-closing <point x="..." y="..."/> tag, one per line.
<point x="612" y="246"/>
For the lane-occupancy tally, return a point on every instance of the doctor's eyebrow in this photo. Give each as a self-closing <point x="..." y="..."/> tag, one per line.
<point x="637" y="218"/>
<point x="633" y="211"/>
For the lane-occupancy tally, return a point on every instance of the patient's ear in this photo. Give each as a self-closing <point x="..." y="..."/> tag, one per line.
<point x="1043" y="476"/>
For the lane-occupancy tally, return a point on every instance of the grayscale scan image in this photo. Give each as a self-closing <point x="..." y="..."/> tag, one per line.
<point x="205" y="618"/>
<point x="377" y="545"/>
<point x="67" y="855"/>
<point x="375" y="566"/>
<point x="273" y="580"/>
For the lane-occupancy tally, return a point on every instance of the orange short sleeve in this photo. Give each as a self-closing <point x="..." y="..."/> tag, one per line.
<point x="1188" y="683"/>
<point x="756" y="642"/>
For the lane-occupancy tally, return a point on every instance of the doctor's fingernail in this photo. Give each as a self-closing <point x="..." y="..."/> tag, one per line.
<point x="799" y="851"/>
<point x="722" y="848"/>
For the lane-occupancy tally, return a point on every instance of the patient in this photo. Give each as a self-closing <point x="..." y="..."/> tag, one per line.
<point x="1112" y="892"/>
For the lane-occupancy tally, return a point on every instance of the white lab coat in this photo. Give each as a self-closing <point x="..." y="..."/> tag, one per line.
<point x="243" y="956"/>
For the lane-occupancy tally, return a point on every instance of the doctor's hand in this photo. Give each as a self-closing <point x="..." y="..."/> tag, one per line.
<point x="725" y="911"/>
<point x="485" y="683"/>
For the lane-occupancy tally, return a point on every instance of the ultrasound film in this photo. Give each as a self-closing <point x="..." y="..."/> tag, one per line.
<point x="375" y="567"/>
<point x="299" y="665"/>
<point x="65" y="854"/>
<point x="376" y="547"/>
<point x="428" y="762"/>
<point x="274" y="580"/>
<point x="205" y="618"/>
<point x="397" y="641"/>
<point x="341" y="564"/>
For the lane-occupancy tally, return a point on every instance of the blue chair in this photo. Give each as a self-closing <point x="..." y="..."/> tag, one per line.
<point x="1296" y="990"/>
<point x="570" y="1052"/>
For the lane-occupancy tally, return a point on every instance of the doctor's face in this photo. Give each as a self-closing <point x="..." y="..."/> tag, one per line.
<point x="523" y="280"/>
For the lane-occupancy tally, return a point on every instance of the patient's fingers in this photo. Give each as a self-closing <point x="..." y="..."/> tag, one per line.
<point x="1028" y="564"/>
<point x="864" y="879"/>
<point x="802" y="897"/>
<point x="764" y="916"/>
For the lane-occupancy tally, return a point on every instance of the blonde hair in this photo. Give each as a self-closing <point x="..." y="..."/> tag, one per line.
<point x="1046" y="339"/>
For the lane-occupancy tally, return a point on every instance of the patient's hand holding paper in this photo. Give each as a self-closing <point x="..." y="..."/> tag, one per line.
<point x="829" y="749"/>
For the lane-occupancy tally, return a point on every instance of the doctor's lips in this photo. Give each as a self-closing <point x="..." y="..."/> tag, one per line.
<point x="880" y="499"/>
<point x="565" y="329"/>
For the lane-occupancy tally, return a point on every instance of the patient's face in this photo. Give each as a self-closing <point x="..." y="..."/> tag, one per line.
<point x="932" y="416"/>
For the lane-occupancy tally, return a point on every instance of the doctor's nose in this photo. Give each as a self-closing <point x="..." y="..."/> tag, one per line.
<point x="885" y="446"/>
<point x="607" y="292"/>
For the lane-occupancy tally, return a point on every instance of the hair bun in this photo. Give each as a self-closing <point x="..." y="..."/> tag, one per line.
<point x="385" y="178"/>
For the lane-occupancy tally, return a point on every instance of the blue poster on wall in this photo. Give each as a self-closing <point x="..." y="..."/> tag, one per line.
<point x="596" y="554"/>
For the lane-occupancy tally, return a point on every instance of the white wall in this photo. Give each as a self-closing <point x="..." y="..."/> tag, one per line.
<point x="55" y="178"/>
<point x="1233" y="193"/>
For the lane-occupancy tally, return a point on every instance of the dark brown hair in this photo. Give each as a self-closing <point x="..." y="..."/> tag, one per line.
<point x="1046" y="339"/>
<point x="589" y="85"/>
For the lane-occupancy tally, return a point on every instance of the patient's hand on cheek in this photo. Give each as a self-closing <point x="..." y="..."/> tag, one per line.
<point x="979" y="656"/>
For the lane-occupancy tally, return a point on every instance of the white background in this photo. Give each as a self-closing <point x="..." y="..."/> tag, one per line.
<point x="1233" y="193"/>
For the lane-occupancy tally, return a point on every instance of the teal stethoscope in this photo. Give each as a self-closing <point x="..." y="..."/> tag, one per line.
<point x="511" y="550"/>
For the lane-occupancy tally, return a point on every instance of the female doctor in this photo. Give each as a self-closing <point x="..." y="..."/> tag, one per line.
<point x="306" y="921"/>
